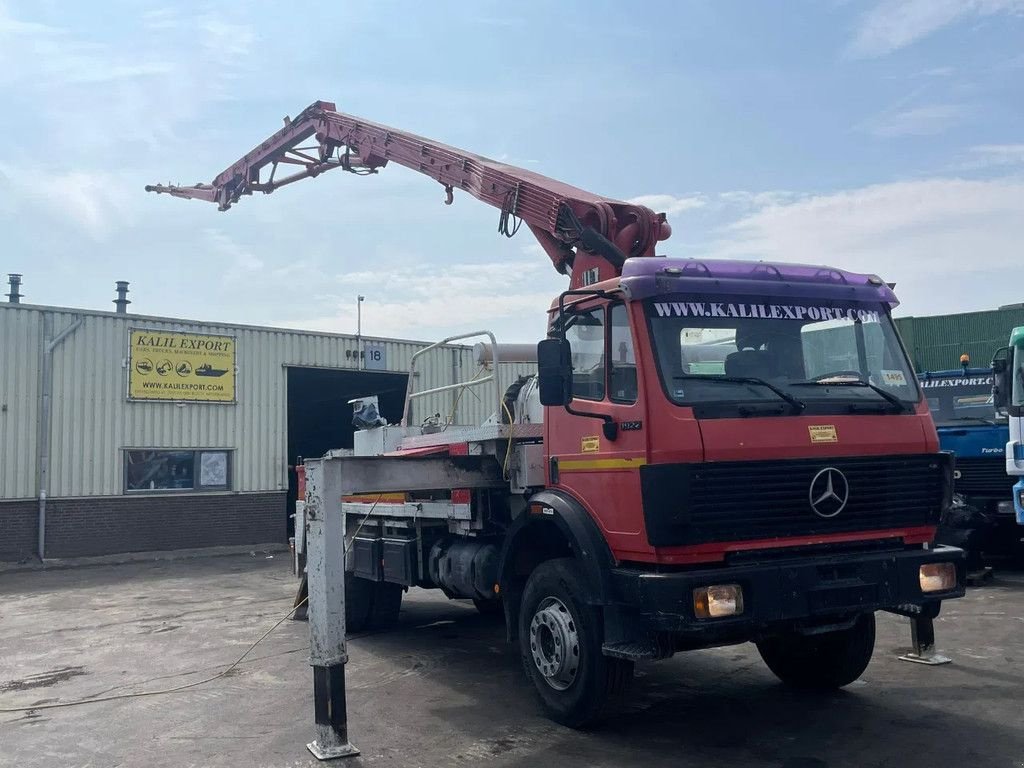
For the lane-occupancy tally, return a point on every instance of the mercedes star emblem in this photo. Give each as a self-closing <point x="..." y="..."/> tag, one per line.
<point x="829" y="492"/>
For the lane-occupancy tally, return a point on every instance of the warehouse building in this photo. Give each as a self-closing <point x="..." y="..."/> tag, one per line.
<point x="123" y="433"/>
<point x="936" y="342"/>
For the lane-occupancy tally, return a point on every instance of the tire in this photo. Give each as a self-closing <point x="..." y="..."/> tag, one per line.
<point x="488" y="607"/>
<point x="358" y="602"/>
<point x="557" y="628"/>
<point x="387" y="601"/>
<point x="821" y="662"/>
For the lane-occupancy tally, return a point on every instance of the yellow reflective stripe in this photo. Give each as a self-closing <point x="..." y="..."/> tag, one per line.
<point x="370" y="498"/>
<point x="584" y="464"/>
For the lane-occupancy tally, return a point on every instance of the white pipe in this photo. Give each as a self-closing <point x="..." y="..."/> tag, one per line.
<point x="510" y="353"/>
<point x="45" y="414"/>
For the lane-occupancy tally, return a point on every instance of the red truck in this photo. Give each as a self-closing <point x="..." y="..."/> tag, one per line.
<point x="712" y="452"/>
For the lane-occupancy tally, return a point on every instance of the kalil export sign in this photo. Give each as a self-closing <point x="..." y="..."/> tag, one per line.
<point x="195" y="367"/>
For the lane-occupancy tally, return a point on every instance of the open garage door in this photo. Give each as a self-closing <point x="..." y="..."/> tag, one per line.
<point x="320" y="418"/>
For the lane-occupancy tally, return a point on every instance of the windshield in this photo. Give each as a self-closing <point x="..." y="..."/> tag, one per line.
<point x="1018" y="376"/>
<point x="959" y="398"/>
<point x="833" y="356"/>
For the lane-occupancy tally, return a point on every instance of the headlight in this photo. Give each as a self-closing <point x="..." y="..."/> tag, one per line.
<point x="718" y="601"/>
<point x="937" y="577"/>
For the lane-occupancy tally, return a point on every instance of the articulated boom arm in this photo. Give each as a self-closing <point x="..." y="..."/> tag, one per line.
<point x="568" y="222"/>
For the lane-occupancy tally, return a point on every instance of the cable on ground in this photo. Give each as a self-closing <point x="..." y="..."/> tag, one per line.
<point x="162" y="691"/>
<point x="197" y="683"/>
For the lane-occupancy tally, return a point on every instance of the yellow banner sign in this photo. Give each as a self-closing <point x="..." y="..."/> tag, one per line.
<point x="181" y="366"/>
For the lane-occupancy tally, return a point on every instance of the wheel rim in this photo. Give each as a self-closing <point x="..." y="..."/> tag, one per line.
<point x="555" y="643"/>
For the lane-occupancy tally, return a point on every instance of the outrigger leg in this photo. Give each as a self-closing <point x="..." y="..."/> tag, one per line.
<point x="922" y="635"/>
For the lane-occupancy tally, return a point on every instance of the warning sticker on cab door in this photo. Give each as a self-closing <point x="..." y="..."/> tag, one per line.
<point x="823" y="433"/>
<point x="894" y="378"/>
<point x="590" y="444"/>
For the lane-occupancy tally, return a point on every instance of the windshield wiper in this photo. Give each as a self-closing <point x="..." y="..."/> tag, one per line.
<point x="797" y="405"/>
<point x="899" y="404"/>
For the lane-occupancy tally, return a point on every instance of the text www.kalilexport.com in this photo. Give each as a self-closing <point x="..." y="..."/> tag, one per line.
<point x="182" y="387"/>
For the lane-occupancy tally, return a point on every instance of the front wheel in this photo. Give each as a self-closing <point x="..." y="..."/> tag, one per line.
<point x="560" y="639"/>
<point x="821" y="662"/>
<point x="488" y="607"/>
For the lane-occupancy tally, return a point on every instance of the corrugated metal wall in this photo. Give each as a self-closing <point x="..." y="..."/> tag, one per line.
<point x="19" y="402"/>
<point x="93" y="420"/>
<point x="936" y="343"/>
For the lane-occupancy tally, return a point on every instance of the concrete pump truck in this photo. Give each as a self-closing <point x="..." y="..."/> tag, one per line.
<point x="711" y="452"/>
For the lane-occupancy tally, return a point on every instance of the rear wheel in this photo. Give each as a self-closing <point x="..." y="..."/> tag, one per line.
<point x="358" y="602"/>
<point x="821" y="662"/>
<point x="560" y="638"/>
<point x="387" y="601"/>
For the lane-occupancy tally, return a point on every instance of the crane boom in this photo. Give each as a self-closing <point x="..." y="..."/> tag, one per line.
<point x="583" y="233"/>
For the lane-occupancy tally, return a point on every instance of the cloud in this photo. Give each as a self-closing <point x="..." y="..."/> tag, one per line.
<point x="91" y="97"/>
<point x="894" y="24"/>
<point x="995" y="155"/>
<point x="948" y="243"/>
<point x="743" y="198"/>
<point x="423" y="301"/>
<point x="92" y="202"/>
<point x="240" y="262"/>
<point x="670" y="204"/>
<point x="926" y="120"/>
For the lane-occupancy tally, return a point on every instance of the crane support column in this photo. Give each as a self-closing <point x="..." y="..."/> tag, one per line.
<point x="325" y="565"/>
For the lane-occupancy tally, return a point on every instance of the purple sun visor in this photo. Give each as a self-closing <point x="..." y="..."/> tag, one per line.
<point x="646" y="277"/>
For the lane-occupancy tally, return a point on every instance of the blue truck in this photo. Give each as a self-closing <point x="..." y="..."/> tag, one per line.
<point x="982" y="519"/>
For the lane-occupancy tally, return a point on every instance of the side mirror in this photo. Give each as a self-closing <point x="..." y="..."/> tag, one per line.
<point x="554" y="371"/>
<point x="1001" y="382"/>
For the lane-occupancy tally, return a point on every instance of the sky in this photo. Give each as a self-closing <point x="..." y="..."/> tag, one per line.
<point x="883" y="136"/>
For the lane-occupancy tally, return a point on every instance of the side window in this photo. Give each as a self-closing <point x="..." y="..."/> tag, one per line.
<point x="623" y="360"/>
<point x="585" y="334"/>
<point x="177" y="470"/>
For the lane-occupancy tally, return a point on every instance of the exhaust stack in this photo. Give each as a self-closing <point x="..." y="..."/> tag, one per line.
<point x="14" y="280"/>
<point x="122" y="301"/>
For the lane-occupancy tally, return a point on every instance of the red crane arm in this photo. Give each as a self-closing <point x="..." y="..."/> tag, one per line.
<point x="567" y="221"/>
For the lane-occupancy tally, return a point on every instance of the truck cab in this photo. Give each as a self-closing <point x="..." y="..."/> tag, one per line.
<point x="717" y="392"/>
<point x="1009" y="396"/>
<point x="961" y="402"/>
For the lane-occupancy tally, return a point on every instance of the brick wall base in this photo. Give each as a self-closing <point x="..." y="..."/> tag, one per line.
<point x="108" y="525"/>
<point x="19" y="522"/>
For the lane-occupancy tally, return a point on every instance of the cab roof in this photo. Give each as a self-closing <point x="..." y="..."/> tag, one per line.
<point x="644" y="277"/>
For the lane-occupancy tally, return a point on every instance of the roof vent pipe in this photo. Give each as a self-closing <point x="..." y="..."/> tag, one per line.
<point x="15" y="282"/>
<point x="122" y="301"/>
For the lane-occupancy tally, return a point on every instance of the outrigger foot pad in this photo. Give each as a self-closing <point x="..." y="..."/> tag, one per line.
<point x="922" y="632"/>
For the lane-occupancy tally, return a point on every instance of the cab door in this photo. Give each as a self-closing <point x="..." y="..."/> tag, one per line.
<point x="602" y="472"/>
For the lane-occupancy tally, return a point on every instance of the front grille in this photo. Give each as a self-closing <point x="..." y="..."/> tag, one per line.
<point x="983" y="477"/>
<point x="740" y="501"/>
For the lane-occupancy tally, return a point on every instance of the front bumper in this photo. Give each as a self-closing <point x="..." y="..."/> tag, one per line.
<point x="795" y="591"/>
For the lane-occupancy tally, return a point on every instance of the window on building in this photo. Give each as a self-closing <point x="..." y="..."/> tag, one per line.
<point x="177" y="470"/>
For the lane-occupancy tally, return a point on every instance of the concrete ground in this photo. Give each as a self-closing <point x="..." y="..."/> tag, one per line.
<point x="444" y="689"/>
